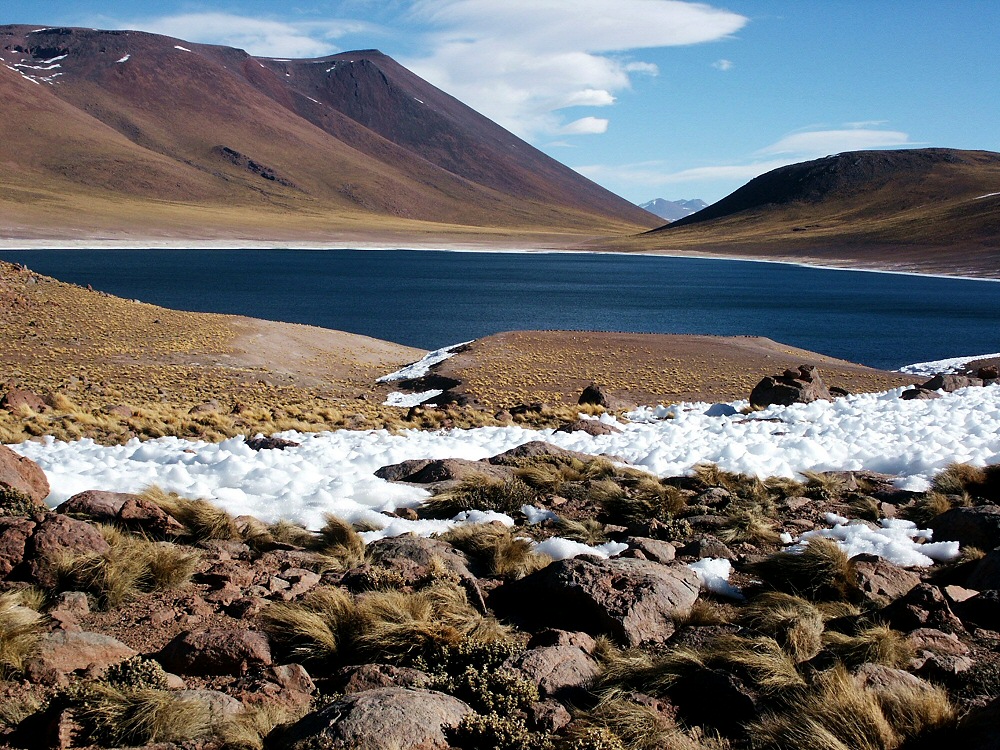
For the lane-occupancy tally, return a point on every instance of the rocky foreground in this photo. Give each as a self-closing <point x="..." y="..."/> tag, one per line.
<point x="155" y="620"/>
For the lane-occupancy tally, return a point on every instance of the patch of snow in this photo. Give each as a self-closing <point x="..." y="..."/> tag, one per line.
<point x="562" y="549"/>
<point x="988" y="195"/>
<point x="38" y="31"/>
<point x="713" y="572"/>
<point x="124" y="59"/>
<point x="182" y="49"/>
<point x="943" y="366"/>
<point x="423" y="366"/>
<point x="397" y="398"/>
<point x="538" y="515"/>
<point x="311" y="99"/>
<point x="898" y="541"/>
<point x="418" y="100"/>
<point x="333" y="472"/>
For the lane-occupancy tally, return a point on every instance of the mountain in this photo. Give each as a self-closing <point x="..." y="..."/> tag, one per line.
<point x="924" y="209"/>
<point x="673" y="210"/>
<point x="134" y="131"/>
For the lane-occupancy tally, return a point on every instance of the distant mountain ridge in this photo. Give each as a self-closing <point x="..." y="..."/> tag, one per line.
<point x="673" y="210"/>
<point x="94" y="118"/>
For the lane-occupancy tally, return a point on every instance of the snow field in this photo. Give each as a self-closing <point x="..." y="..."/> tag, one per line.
<point x="333" y="472"/>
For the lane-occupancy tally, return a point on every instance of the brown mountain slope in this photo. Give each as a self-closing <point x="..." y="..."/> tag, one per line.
<point x="169" y="133"/>
<point x="922" y="209"/>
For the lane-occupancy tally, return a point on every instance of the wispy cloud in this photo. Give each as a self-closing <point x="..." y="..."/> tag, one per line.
<point x="723" y="65"/>
<point x="821" y="142"/>
<point x="585" y="126"/>
<point x="262" y="37"/>
<point x="519" y="61"/>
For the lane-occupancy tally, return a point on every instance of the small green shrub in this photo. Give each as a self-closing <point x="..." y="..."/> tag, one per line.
<point x="13" y="502"/>
<point x="496" y="732"/>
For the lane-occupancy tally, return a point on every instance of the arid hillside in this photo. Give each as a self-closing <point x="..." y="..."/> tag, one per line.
<point x="134" y="133"/>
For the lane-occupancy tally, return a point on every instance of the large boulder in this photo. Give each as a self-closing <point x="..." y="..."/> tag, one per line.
<point x="123" y="508"/>
<point x="948" y="383"/>
<point x="880" y="581"/>
<point x="987" y="572"/>
<point x="971" y="527"/>
<point x="62" y="652"/>
<point x="634" y="601"/>
<point x="390" y="717"/>
<point x="19" y="398"/>
<point x="22" y="474"/>
<point x="56" y="537"/>
<point x="217" y="651"/>
<point x="558" y="671"/>
<point x="443" y="470"/>
<point x="800" y="386"/>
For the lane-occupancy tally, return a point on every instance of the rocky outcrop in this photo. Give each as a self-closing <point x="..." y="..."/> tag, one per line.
<point x="800" y="386"/>
<point x="971" y="527"/>
<point x="61" y="653"/>
<point x="881" y="582"/>
<point x="22" y="474"/>
<point x="558" y="671"/>
<point x="55" y="537"/>
<point x="634" y="601"/>
<point x="216" y="651"/>
<point x="14" y="536"/>
<point x="590" y="426"/>
<point x="390" y="717"/>
<point x="124" y="509"/>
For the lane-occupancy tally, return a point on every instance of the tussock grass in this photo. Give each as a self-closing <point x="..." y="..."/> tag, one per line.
<point x="15" y="710"/>
<point x="838" y="713"/>
<point x="588" y="531"/>
<point x="329" y="626"/>
<point x="202" y="520"/>
<point x="249" y="730"/>
<point x="709" y="475"/>
<point x="131" y="566"/>
<point x="481" y="493"/>
<point x="822" y="571"/>
<point x="750" y="523"/>
<point x="958" y="479"/>
<point x="824" y="485"/>
<point x="497" y="549"/>
<point x="878" y="644"/>
<point x="114" y="716"/>
<point x="796" y="624"/>
<point x="926" y="508"/>
<point x="21" y="630"/>
<point x="340" y="541"/>
<point x="707" y="612"/>
<point x="761" y="660"/>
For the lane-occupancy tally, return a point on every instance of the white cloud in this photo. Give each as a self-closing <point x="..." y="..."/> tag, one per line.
<point x="822" y="142"/>
<point x="656" y="174"/>
<point x="518" y="61"/>
<point x="585" y="126"/>
<point x="258" y="36"/>
<point x="723" y="65"/>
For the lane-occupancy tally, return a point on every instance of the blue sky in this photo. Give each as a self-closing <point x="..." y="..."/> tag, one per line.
<point x="650" y="98"/>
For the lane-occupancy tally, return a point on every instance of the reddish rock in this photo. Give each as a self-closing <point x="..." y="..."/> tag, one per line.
<point x="590" y="426"/>
<point x="392" y="717"/>
<point x="20" y="398"/>
<point x="14" y="535"/>
<point x="924" y="606"/>
<point x="594" y="395"/>
<point x="949" y="383"/>
<point x="555" y="637"/>
<point x="919" y="394"/>
<point x="632" y="600"/>
<point x="881" y="582"/>
<point x="978" y="526"/>
<point x="63" y="652"/>
<point x="216" y="651"/>
<point x="987" y="572"/>
<point x="800" y="386"/>
<point x="363" y="677"/>
<point x="54" y="537"/>
<point x="23" y="474"/>
<point x="447" y="469"/>
<point x="131" y="511"/>
<point x="558" y="671"/>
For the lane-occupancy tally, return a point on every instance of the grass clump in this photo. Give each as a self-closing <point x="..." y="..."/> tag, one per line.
<point x="822" y="571"/>
<point x="133" y="565"/>
<point x="796" y="624"/>
<point x="202" y="520"/>
<point x="481" y="493"/>
<point x="588" y="531"/>
<point x="959" y="479"/>
<point x="115" y="716"/>
<point x="619" y="722"/>
<point x="839" y="713"/>
<point x="824" y="485"/>
<point x="926" y="508"/>
<point x="496" y="549"/>
<point x="21" y="630"/>
<point x="249" y="729"/>
<point x="314" y="629"/>
<point x="878" y="644"/>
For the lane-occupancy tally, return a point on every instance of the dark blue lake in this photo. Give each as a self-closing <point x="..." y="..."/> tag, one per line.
<point x="431" y="299"/>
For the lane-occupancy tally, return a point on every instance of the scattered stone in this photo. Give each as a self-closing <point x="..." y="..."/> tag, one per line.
<point x="209" y="407"/>
<point x="589" y="426"/>
<point x="919" y="394"/>
<point x="362" y="677"/>
<point x="714" y="697"/>
<point x="534" y="449"/>
<point x="880" y="581"/>
<point x="262" y="443"/>
<point x="792" y="387"/>
<point x="957" y="594"/>
<point x="451" y="469"/>
<point x="558" y="671"/>
<point x="924" y="606"/>
<point x="595" y="395"/>
<point x="132" y="511"/>
<point x="74" y="602"/>
<point x="221" y="707"/>
<point x="948" y="383"/>
<point x="981" y="610"/>
<point x="391" y="717"/>
<point x="217" y="651"/>
<point x="24" y="475"/>
<point x="119" y="410"/>
<point x="556" y="637"/>
<point x="62" y="653"/>
<point x="632" y="600"/>
<point x="653" y="549"/>
<point x="14" y="535"/>
<point x="978" y="526"/>
<point x="54" y="538"/>
<point x="19" y="398"/>
<point x="548" y="716"/>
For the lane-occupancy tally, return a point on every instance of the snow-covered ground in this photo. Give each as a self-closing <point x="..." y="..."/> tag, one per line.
<point x="422" y="366"/>
<point x="952" y="365"/>
<point x="333" y="471"/>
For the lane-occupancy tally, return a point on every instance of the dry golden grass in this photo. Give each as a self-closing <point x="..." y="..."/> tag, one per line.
<point x="249" y="729"/>
<point x="201" y="519"/>
<point x="822" y="571"/>
<point x="878" y="644"/>
<point x="115" y="716"/>
<point x="480" y="493"/>
<point x="793" y="622"/>
<point x="21" y="630"/>
<point x="638" y="727"/>
<point x="498" y="549"/>
<point x="315" y="628"/>
<point x="838" y="713"/>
